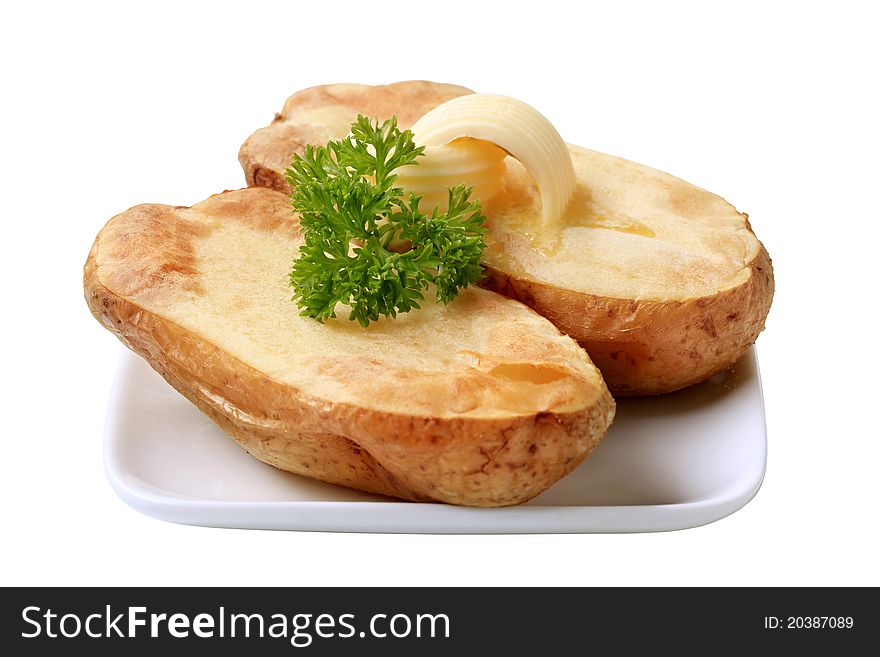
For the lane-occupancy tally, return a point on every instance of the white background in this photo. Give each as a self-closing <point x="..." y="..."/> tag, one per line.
<point x="773" y="106"/>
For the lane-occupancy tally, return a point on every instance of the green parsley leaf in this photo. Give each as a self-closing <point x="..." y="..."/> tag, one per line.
<point x="351" y="214"/>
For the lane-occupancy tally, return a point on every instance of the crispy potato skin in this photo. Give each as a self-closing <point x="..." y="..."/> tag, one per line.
<point x="653" y="347"/>
<point x="266" y="153"/>
<point x="459" y="460"/>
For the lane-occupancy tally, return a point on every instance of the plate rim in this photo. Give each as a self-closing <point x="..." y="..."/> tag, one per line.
<point x="418" y="517"/>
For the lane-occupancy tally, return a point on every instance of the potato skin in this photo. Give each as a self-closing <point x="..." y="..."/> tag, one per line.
<point x="468" y="461"/>
<point x="653" y="347"/>
<point x="266" y="153"/>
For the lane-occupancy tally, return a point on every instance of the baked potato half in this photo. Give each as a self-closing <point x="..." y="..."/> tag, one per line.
<point x="482" y="402"/>
<point x="662" y="282"/>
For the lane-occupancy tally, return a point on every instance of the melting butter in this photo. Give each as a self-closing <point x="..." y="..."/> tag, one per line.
<point x="515" y="210"/>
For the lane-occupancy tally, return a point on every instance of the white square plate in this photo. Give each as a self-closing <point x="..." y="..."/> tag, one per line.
<point x="669" y="462"/>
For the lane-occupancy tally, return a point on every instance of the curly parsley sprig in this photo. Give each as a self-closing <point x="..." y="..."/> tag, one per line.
<point x="351" y="213"/>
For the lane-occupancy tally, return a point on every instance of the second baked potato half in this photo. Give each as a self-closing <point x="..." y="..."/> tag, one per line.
<point x="664" y="284"/>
